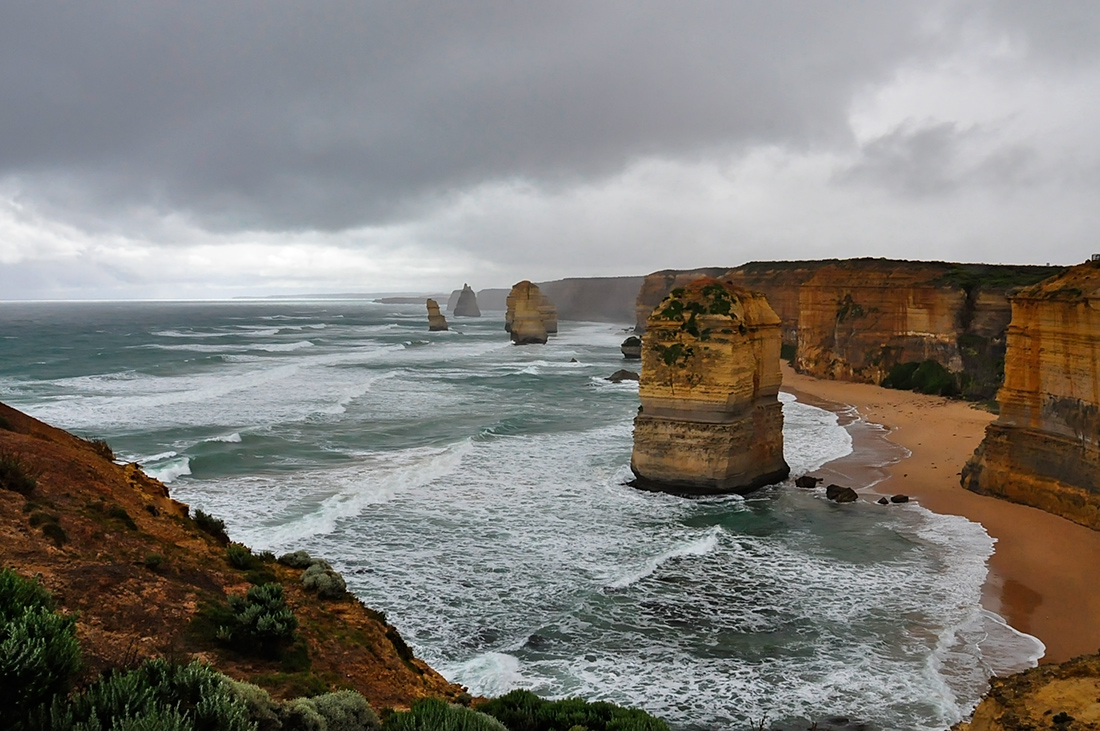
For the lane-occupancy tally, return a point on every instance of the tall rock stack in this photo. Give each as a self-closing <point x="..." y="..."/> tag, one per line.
<point x="1044" y="448"/>
<point x="467" y="303"/>
<point x="524" y="316"/>
<point x="710" y="421"/>
<point x="436" y="320"/>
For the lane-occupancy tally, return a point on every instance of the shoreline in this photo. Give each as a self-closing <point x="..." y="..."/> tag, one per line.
<point x="1041" y="575"/>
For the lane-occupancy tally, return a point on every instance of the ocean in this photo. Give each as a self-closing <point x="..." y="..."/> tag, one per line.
<point x="476" y="492"/>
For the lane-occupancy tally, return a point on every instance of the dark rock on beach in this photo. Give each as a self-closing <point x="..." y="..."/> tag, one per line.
<point x="841" y="494"/>
<point x="807" y="481"/>
<point x="883" y="501"/>
<point x="899" y="499"/>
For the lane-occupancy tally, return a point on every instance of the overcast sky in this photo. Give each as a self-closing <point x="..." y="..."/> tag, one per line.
<point x="207" y="149"/>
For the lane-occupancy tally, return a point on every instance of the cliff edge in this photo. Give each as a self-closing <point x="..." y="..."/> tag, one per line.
<point x="1044" y="448"/>
<point x="147" y="578"/>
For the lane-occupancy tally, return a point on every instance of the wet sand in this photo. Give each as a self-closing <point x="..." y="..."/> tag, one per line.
<point x="1043" y="575"/>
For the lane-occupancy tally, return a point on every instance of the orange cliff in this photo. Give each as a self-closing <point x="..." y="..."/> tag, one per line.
<point x="710" y="420"/>
<point x="855" y="319"/>
<point x="1044" y="448"/>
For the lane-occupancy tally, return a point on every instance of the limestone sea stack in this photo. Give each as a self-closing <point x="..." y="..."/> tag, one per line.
<point x="467" y="303"/>
<point x="1044" y="448"/>
<point x="524" y="316"/>
<point x="632" y="348"/>
<point x="436" y="320"/>
<point x="710" y="420"/>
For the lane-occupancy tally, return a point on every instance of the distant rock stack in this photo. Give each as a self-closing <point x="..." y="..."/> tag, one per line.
<point x="710" y="421"/>
<point x="1044" y="448"/>
<point x="549" y="314"/>
<point x="467" y="304"/>
<point x="524" y="316"/>
<point x="632" y="348"/>
<point x="436" y="321"/>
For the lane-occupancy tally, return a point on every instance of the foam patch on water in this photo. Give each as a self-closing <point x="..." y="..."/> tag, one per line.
<point x="811" y="436"/>
<point x="700" y="547"/>
<point x="167" y="470"/>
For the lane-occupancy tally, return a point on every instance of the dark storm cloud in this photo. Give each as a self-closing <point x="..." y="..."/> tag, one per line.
<point x="328" y="115"/>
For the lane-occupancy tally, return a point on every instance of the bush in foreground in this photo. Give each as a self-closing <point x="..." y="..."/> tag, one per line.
<point x="14" y="477"/>
<point x="522" y="710"/>
<point x="433" y="714"/>
<point x="261" y="620"/>
<point x="39" y="653"/>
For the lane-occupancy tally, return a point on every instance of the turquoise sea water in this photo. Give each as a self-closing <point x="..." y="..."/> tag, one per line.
<point x="475" y="492"/>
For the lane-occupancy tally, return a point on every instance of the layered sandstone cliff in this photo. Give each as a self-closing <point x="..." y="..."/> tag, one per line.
<point x="856" y="319"/>
<point x="436" y="321"/>
<point x="465" y="304"/>
<point x="523" y="319"/>
<point x="710" y="419"/>
<point x="1044" y="448"/>
<point x="549" y="315"/>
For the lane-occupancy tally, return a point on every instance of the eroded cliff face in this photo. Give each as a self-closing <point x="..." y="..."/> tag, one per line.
<point x="1044" y="448"/>
<point x="524" y="316"/>
<point x="710" y="419"/>
<point x="656" y="286"/>
<point x="436" y="321"/>
<point x="855" y="319"/>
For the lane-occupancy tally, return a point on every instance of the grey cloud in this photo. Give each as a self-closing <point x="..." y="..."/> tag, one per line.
<point x="934" y="159"/>
<point x="280" y="115"/>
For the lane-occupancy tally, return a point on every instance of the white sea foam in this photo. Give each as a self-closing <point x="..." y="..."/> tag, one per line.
<point x="699" y="547"/>
<point x="491" y="673"/>
<point x="169" y="470"/>
<point x="234" y="438"/>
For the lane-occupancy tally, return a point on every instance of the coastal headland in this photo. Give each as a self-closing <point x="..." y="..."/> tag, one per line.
<point x="1042" y="573"/>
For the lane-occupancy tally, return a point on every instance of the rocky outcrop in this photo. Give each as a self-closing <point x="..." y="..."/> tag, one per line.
<point x="856" y="319"/>
<point x="465" y="305"/>
<point x="631" y="348"/>
<point x="710" y="419"/>
<point x="436" y="321"/>
<point x="1044" y="448"/>
<point x="523" y="318"/>
<point x="1064" y="696"/>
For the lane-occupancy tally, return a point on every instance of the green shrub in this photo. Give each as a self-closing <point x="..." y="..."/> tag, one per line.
<point x="14" y="477"/>
<point x="154" y="561"/>
<point x="5" y="424"/>
<point x="433" y="714"/>
<point x="240" y="556"/>
<point x="39" y="653"/>
<point x="296" y="560"/>
<point x="522" y="710"/>
<point x="261" y="620"/>
<point x="266" y="556"/>
<point x="119" y="513"/>
<point x="932" y="378"/>
<point x="321" y="579"/>
<point x="55" y="533"/>
<point x="103" y="449"/>
<point x="213" y="526"/>
<point x="41" y="517"/>
<point x="156" y="695"/>
<point x="343" y="710"/>
<point x="900" y="376"/>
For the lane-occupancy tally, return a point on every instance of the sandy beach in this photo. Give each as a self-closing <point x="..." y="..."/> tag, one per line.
<point x="1043" y="574"/>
